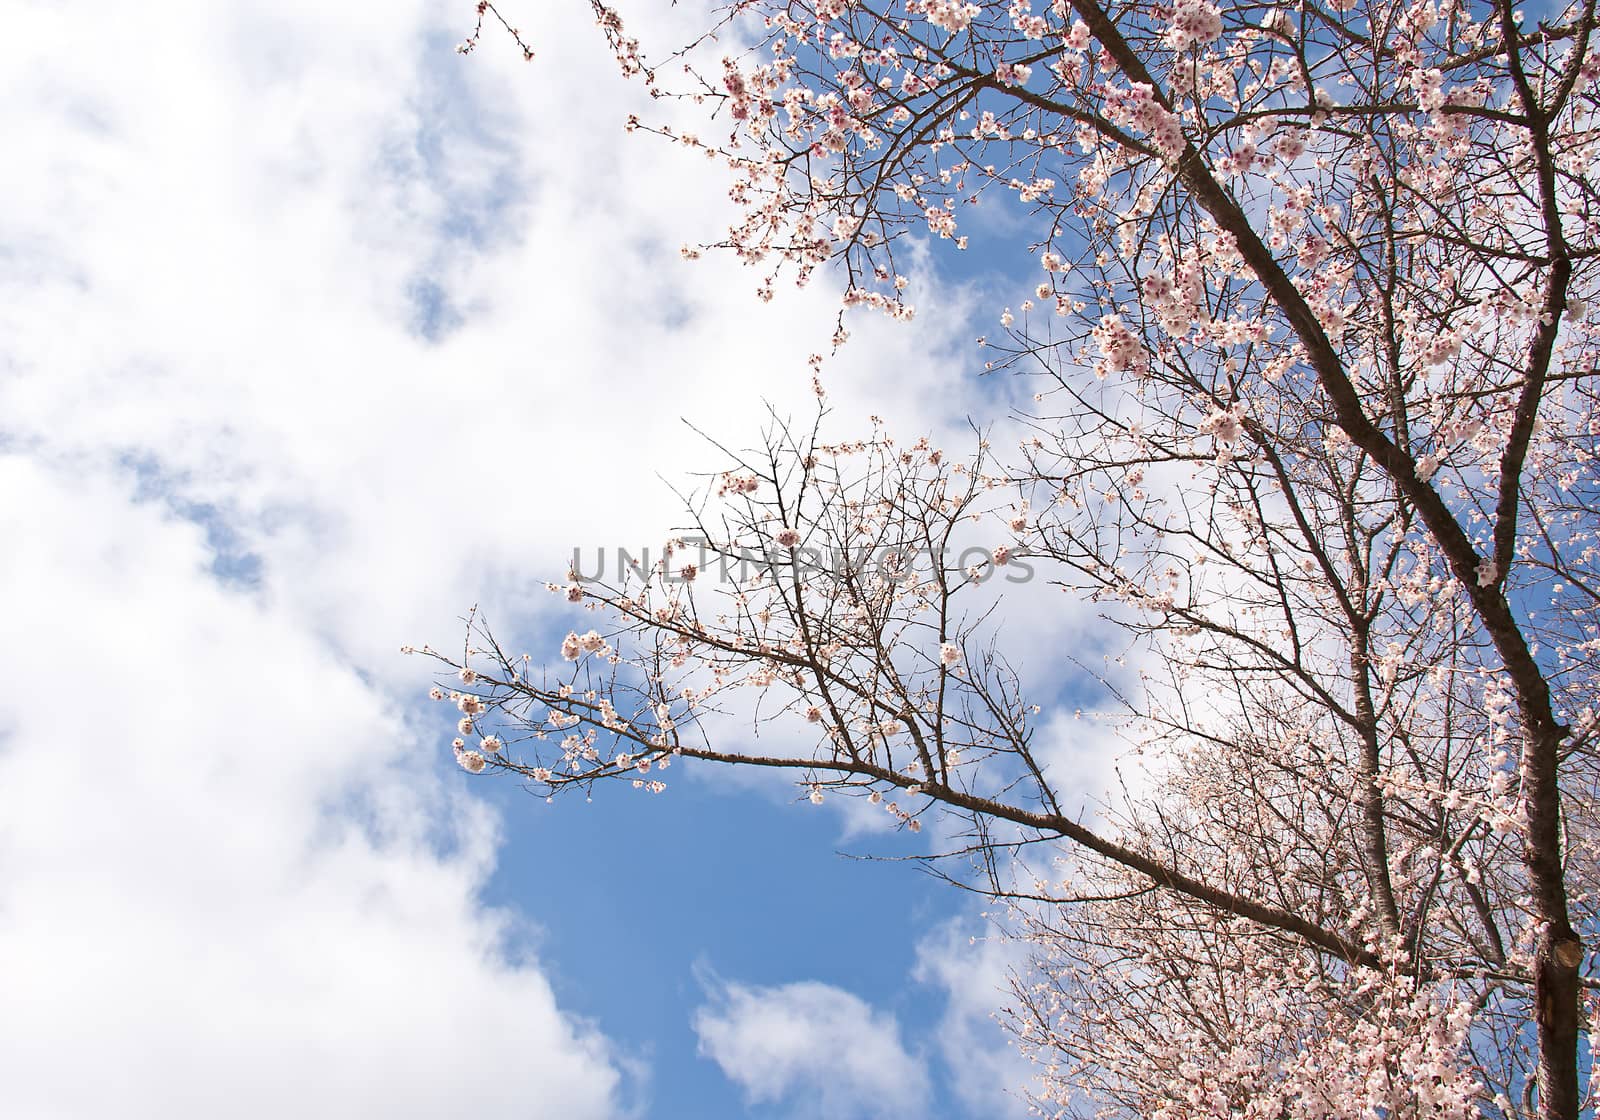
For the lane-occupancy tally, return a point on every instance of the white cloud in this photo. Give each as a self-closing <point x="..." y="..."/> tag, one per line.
<point x="973" y="962"/>
<point x="220" y="844"/>
<point x="814" y="1047"/>
<point x="244" y="217"/>
<point x="220" y="892"/>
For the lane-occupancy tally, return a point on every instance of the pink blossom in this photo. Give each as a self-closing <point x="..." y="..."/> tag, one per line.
<point x="1226" y="424"/>
<point x="1120" y="347"/>
<point x="1194" y="22"/>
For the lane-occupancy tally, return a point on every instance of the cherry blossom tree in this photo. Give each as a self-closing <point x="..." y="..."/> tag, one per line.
<point x="1315" y="425"/>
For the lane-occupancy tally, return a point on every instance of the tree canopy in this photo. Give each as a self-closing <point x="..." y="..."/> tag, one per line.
<point x="1313" y="351"/>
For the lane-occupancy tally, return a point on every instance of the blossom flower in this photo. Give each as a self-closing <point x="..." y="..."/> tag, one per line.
<point x="1224" y="423"/>
<point x="490" y="744"/>
<point x="951" y="15"/>
<point x="471" y="761"/>
<point x="1445" y="347"/>
<point x="1313" y="250"/>
<point x="1194" y="23"/>
<point x="786" y="537"/>
<point x="1291" y="144"/>
<point x="949" y="654"/>
<point x="1012" y="74"/>
<point x="1120" y="347"/>
<point x="570" y="648"/>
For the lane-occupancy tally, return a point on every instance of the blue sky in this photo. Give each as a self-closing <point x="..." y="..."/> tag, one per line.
<point x="317" y="334"/>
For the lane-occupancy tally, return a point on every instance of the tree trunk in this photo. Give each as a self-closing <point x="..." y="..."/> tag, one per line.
<point x="1556" y="991"/>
